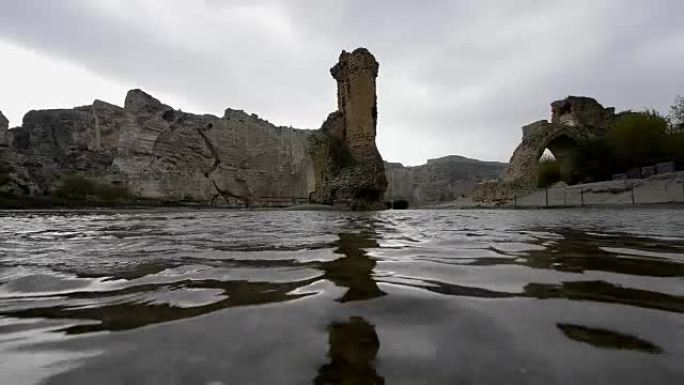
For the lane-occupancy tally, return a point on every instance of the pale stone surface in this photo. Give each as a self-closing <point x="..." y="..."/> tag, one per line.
<point x="439" y="180"/>
<point x="160" y="153"/>
<point x="237" y="159"/>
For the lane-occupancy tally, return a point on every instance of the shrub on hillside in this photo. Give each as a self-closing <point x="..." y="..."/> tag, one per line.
<point x="75" y="187"/>
<point x="79" y="187"/>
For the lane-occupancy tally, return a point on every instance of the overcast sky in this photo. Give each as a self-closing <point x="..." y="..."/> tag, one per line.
<point x="456" y="77"/>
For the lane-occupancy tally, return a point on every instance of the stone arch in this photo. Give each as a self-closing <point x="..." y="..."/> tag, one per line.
<point x="573" y="119"/>
<point x="560" y="139"/>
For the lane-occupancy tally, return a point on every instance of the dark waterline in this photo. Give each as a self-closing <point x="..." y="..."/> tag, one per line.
<point x="395" y="297"/>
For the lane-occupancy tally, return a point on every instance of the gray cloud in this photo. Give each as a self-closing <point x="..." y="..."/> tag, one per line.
<point x="456" y="77"/>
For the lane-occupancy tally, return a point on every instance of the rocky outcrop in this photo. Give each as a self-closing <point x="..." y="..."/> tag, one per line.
<point x="164" y="154"/>
<point x="347" y="164"/>
<point x="160" y="153"/>
<point x="440" y="180"/>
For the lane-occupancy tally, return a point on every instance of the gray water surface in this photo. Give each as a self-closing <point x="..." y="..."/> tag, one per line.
<point x="394" y="297"/>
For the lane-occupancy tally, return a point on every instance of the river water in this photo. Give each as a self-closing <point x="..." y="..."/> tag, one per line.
<point x="394" y="297"/>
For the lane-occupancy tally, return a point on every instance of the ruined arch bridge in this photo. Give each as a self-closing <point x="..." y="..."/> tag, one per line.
<point x="572" y="120"/>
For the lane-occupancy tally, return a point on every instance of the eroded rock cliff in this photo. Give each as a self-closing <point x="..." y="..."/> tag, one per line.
<point x="157" y="152"/>
<point x="160" y="153"/>
<point x="439" y="180"/>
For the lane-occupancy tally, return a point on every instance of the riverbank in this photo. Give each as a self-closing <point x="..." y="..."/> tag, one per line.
<point x="50" y="202"/>
<point x="659" y="190"/>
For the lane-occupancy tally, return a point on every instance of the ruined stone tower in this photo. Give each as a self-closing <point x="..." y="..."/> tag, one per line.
<point x="348" y="166"/>
<point x="356" y="99"/>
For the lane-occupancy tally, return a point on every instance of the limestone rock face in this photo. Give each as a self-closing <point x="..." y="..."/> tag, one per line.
<point x="348" y="166"/>
<point x="164" y="154"/>
<point x="159" y="153"/>
<point x="439" y="180"/>
<point x="236" y="160"/>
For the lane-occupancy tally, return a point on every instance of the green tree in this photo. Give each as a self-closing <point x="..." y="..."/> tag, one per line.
<point x="677" y="115"/>
<point x="79" y="187"/>
<point x="636" y="139"/>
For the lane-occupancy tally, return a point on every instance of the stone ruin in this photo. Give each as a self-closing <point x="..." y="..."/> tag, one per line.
<point x="162" y="154"/>
<point x="572" y="119"/>
<point x="347" y="164"/>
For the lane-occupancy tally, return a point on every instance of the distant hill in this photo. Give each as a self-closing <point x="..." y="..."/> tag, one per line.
<point x="439" y="180"/>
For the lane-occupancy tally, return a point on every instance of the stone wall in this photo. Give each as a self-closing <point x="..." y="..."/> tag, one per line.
<point x="659" y="189"/>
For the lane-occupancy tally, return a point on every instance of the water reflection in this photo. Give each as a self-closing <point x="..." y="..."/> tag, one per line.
<point x="355" y="270"/>
<point x="600" y="291"/>
<point x="140" y="310"/>
<point x="353" y="348"/>
<point x="176" y="267"/>
<point x="607" y="339"/>
<point x="138" y="305"/>
<point x="596" y="291"/>
<point x="577" y="252"/>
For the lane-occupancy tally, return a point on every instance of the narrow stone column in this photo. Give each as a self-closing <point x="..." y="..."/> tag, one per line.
<point x="357" y="101"/>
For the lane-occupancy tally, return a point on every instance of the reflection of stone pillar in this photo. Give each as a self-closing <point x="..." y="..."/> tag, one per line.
<point x="353" y="348"/>
<point x="355" y="270"/>
<point x="357" y="101"/>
